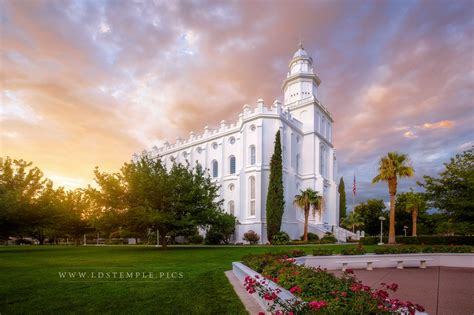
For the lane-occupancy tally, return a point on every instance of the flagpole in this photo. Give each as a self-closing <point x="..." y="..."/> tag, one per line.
<point x="353" y="192"/>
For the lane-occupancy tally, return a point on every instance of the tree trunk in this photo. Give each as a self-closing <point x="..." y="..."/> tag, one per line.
<point x="163" y="241"/>
<point x="306" y="217"/>
<point x="414" y="215"/>
<point x="391" y="231"/>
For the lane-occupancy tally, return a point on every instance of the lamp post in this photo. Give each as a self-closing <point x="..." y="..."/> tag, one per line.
<point x="405" y="228"/>
<point x="381" y="229"/>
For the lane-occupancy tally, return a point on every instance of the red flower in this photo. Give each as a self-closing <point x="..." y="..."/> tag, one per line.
<point x="392" y="287"/>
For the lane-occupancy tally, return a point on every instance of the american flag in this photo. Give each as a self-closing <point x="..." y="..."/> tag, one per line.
<point x="354" y="188"/>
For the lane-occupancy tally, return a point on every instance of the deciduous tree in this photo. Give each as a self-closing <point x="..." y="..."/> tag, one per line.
<point x="453" y="191"/>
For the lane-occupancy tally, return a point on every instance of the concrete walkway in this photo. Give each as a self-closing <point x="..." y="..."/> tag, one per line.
<point x="247" y="299"/>
<point x="441" y="290"/>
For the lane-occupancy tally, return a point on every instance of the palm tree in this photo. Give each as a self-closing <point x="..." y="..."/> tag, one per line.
<point x="391" y="167"/>
<point x="353" y="220"/>
<point x="415" y="204"/>
<point x="306" y="200"/>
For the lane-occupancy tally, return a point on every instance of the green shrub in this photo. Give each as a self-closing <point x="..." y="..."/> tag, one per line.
<point x="280" y="238"/>
<point x="251" y="237"/>
<point x="355" y="250"/>
<point x="328" y="239"/>
<point x="323" y="251"/>
<point x="222" y="228"/>
<point x="196" y="239"/>
<point x="311" y="237"/>
<point x="294" y="253"/>
<point x="371" y="240"/>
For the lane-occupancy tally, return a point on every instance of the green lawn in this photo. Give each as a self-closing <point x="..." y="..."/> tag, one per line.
<point x="30" y="281"/>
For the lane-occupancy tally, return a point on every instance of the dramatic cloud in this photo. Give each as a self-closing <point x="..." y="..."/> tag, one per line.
<point x="86" y="83"/>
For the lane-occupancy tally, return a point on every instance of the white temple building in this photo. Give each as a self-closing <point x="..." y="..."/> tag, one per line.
<point x="238" y="155"/>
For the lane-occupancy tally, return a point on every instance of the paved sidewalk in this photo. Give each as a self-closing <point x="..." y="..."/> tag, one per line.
<point x="441" y="290"/>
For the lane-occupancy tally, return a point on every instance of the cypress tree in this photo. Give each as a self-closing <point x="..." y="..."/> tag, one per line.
<point x="342" y="200"/>
<point x="275" y="198"/>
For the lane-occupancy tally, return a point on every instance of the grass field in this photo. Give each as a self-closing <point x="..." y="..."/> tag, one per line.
<point x="30" y="282"/>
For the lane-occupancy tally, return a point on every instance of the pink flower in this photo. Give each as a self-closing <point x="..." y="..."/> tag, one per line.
<point x="261" y="313"/>
<point x="344" y="294"/>
<point x="295" y="289"/>
<point x="270" y="296"/>
<point x="356" y="287"/>
<point x="316" y="305"/>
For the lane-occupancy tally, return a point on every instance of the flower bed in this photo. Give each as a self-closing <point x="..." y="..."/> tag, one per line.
<point x="315" y="291"/>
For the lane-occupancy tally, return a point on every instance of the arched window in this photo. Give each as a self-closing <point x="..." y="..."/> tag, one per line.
<point x="252" y="155"/>
<point x="232" y="164"/>
<point x="252" y="195"/>
<point x="231" y="207"/>
<point x="215" y="171"/>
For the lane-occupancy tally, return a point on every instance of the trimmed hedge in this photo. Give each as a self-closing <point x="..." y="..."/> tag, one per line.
<point x="383" y="250"/>
<point x="297" y="242"/>
<point x="356" y="250"/>
<point x="423" y="240"/>
<point x="328" y="239"/>
<point x="323" y="251"/>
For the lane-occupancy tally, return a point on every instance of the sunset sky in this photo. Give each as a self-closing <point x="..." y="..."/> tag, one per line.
<point x="88" y="83"/>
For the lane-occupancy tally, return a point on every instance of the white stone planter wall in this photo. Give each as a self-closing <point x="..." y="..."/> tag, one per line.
<point x="388" y="261"/>
<point x="241" y="271"/>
